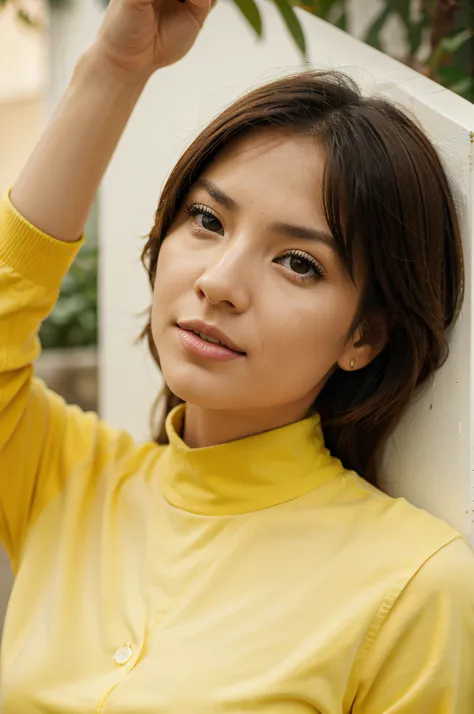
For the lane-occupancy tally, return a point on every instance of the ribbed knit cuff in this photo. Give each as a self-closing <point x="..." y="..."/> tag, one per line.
<point x="33" y="254"/>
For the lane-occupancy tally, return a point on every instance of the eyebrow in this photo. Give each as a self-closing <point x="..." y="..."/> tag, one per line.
<point x="280" y="228"/>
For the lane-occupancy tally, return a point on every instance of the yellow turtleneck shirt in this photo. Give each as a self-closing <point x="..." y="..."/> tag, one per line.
<point x="256" y="576"/>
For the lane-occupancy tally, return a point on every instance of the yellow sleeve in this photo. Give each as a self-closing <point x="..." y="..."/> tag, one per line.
<point x="42" y="440"/>
<point x="421" y="659"/>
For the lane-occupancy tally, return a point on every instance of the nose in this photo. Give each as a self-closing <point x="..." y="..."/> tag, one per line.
<point x="226" y="281"/>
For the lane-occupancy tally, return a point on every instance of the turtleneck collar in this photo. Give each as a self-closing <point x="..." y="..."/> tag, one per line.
<point x="247" y="474"/>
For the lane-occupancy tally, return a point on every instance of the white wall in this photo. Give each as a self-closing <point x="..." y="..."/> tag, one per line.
<point x="72" y="29"/>
<point x="430" y="459"/>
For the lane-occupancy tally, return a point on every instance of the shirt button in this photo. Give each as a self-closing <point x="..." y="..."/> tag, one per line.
<point x="123" y="655"/>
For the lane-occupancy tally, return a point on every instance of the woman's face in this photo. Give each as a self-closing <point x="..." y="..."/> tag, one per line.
<point x="255" y="259"/>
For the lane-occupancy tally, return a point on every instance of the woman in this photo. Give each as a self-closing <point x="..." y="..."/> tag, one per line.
<point x="235" y="564"/>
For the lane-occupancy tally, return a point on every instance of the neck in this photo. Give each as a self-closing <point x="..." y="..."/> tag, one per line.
<point x="244" y="474"/>
<point x="209" y="427"/>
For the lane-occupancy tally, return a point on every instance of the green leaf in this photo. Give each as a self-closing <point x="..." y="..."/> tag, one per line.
<point x="451" y="75"/>
<point x="448" y="45"/>
<point x="464" y="87"/>
<point x="402" y="8"/>
<point x="73" y="321"/>
<point x="455" y="42"/>
<point x="333" y="11"/>
<point x="323" y="7"/>
<point x="340" y="20"/>
<point x="470" y="95"/>
<point x="293" y="24"/>
<point x="415" y="35"/>
<point x="27" y="19"/>
<point x="373" y="34"/>
<point x="250" y="11"/>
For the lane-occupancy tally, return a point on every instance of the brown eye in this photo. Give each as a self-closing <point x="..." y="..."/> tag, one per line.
<point x="204" y="218"/>
<point x="210" y="222"/>
<point x="299" y="265"/>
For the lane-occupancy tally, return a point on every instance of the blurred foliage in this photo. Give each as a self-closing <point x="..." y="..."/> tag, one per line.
<point x="74" y="319"/>
<point x="438" y="35"/>
<point x="73" y="322"/>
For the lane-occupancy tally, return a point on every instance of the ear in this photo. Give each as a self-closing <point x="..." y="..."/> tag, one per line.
<point x="367" y="342"/>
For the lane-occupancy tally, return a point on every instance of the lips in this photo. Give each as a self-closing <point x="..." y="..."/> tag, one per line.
<point x="200" y="327"/>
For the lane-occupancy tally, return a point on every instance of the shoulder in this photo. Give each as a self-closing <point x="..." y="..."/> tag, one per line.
<point x="394" y="538"/>
<point x="447" y="574"/>
<point x="418" y="653"/>
<point x="435" y="562"/>
<point x="435" y="603"/>
<point x="414" y="527"/>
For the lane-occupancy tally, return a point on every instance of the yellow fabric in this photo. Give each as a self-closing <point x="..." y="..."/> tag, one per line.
<point x="257" y="576"/>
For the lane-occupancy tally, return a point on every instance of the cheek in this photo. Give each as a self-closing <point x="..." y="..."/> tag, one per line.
<point x="311" y="331"/>
<point x="166" y="264"/>
<point x="173" y="275"/>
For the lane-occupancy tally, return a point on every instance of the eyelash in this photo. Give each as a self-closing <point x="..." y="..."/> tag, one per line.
<point x="196" y="209"/>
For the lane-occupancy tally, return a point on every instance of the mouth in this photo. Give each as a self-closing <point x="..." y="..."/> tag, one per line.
<point x="207" y="342"/>
<point x="210" y="334"/>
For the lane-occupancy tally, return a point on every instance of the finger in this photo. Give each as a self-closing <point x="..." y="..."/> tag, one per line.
<point x="202" y="6"/>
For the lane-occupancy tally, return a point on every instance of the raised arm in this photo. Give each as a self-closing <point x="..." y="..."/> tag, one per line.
<point x="56" y="189"/>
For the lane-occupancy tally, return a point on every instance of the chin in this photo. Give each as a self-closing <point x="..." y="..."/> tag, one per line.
<point x="198" y="391"/>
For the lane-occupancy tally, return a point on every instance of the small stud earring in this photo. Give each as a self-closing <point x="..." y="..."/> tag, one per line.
<point x="352" y="363"/>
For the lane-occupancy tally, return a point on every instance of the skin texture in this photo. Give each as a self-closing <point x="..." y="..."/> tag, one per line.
<point x="231" y="271"/>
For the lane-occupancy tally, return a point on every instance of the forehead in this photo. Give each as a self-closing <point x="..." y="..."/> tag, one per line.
<point x="270" y="166"/>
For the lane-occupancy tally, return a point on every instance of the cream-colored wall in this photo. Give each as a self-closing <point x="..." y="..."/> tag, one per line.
<point x="20" y="124"/>
<point x="23" y="53"/>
